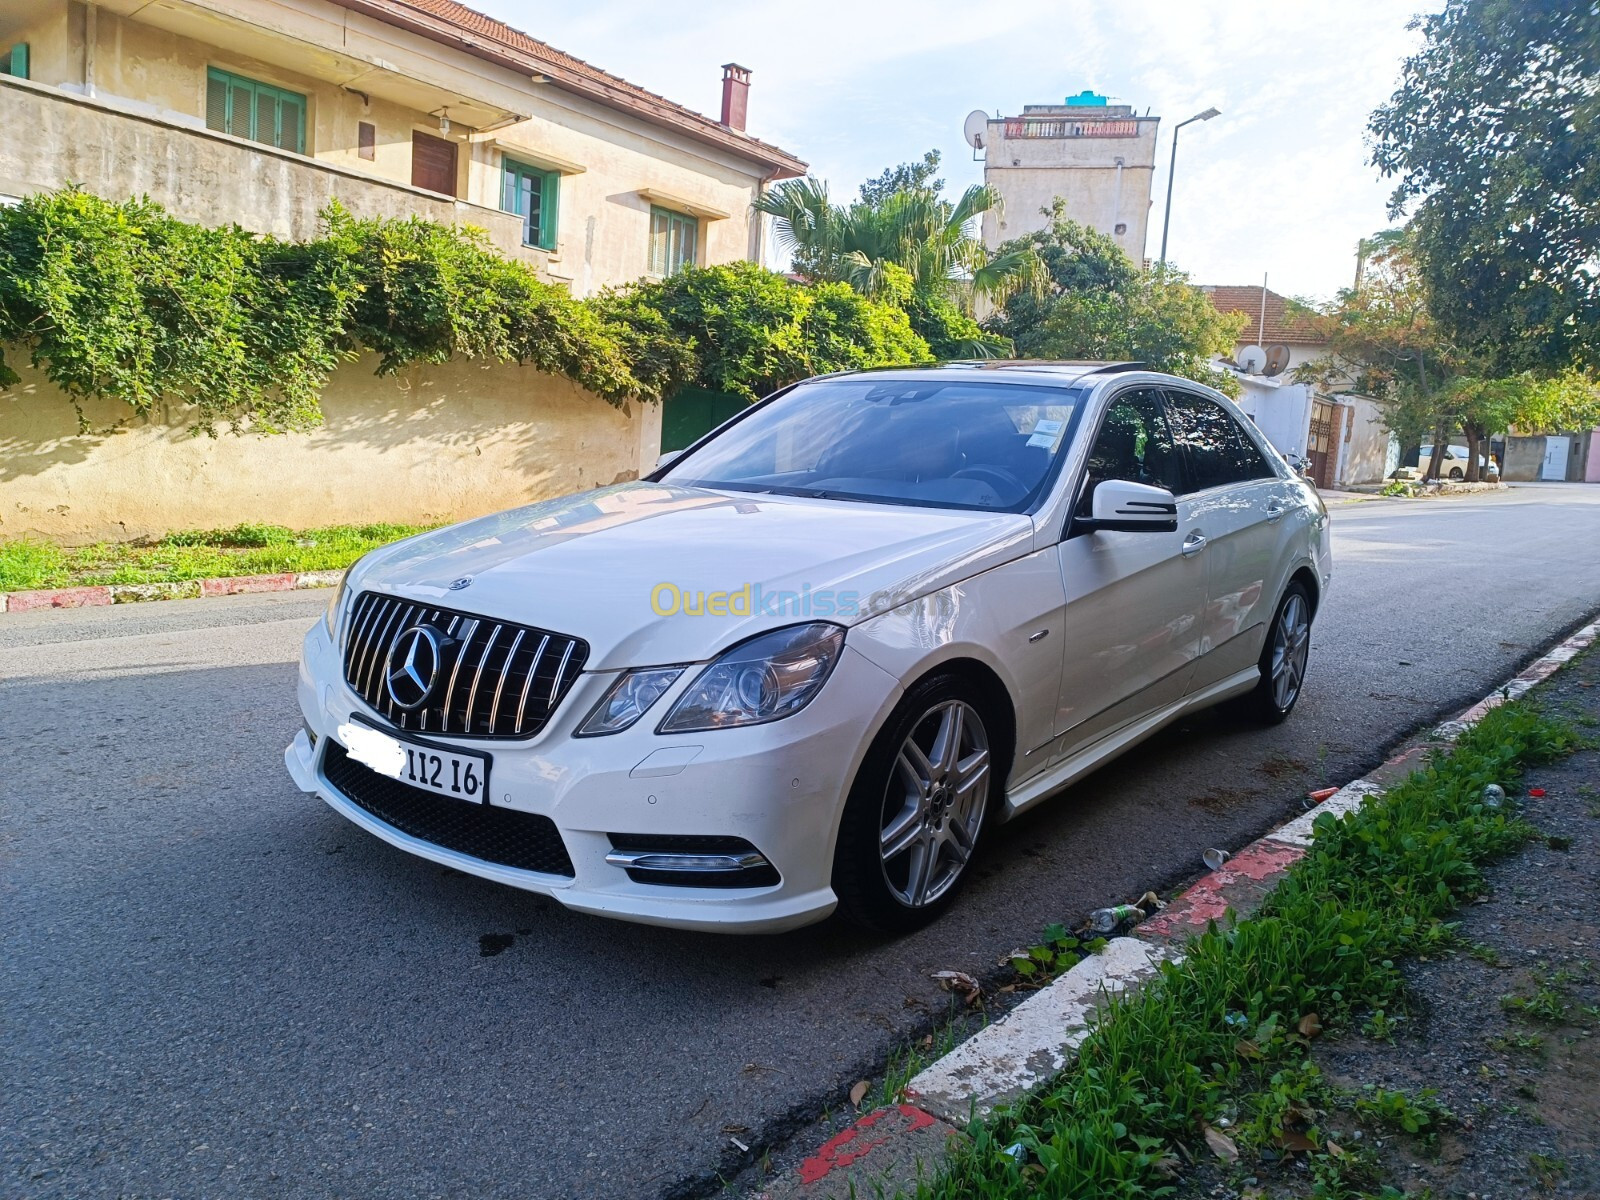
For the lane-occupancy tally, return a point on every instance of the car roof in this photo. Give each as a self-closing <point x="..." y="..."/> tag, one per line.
<point x="1054" y="371"/>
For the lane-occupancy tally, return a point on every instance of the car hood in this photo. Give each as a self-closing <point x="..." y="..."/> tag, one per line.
<point x="651" y="574"/>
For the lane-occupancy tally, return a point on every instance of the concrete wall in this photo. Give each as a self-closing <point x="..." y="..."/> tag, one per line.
<point x="1030" y="172"/>
<point x="1370" y="451"/>
<point x="431" y="444"/>
<point x="152" y="62"/>
<point x="1282" y="411"/>
<point x="1525" y="457"/>
<point x="199" y="175"/>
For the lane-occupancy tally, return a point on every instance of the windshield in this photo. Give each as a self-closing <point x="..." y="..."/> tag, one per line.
<point x="936" y="443"/>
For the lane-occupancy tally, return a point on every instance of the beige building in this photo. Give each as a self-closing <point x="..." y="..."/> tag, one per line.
<point x="260" y="111"/>
<point x="1100" y="158"/>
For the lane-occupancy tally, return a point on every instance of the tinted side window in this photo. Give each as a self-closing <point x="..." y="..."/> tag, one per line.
<point x="1135" y="443"/>
<point x="1219" y="450"/>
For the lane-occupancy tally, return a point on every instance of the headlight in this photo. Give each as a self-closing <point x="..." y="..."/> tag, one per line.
<point x="765" y="679"/>
<point x="628" y="699"/>
<point x="330" y="619"/>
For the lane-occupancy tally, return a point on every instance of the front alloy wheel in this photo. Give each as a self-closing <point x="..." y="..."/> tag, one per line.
<point x="916" y="811"/>
<point x="933" y="807"/>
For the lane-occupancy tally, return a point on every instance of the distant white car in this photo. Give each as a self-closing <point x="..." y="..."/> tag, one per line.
<point x="1454" y="463"/>
<point x="809" y="663"/>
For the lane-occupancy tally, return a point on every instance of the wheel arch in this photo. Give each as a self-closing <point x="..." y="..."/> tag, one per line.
<point x="1307" y="578"/>
<point x="994" y="700"/>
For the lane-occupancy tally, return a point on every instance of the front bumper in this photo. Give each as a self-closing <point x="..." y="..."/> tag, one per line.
<point x="780" y="787"/>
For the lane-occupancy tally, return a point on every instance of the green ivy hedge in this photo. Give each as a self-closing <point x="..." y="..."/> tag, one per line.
<point x="126" y="302"/>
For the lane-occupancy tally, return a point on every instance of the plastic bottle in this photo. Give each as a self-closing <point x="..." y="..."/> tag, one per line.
<point x="1494" y="796"/>
<point x="1104" y="920"/>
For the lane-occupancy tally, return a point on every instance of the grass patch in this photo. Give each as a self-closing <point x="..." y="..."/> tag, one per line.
<point x="248" y="549"/>
<point x="1210" y="1061"/>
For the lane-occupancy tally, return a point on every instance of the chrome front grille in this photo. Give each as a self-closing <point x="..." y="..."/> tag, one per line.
<point x="493" y="680"/>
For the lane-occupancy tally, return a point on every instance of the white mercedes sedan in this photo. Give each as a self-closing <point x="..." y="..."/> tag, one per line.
<point x="807" y="664"/>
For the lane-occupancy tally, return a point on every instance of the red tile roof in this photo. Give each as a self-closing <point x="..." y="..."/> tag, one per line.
<point x="1286" y="321"/>
<point x="474" y="33"/>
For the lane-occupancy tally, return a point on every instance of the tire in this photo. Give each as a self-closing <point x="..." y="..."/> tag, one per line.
<point x="1283" y="660"/>
<point x="1457" y="474"/>
<point x="915" y="815"/>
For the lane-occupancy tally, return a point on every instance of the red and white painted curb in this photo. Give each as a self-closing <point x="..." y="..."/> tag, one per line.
<point x="190" y="589"/>
<point x="1034" y="1041"/>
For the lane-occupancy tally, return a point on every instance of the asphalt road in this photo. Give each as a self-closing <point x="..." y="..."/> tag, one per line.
<point x="212" y="985"/>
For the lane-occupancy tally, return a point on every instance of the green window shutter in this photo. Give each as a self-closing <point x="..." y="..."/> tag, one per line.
<point x="257" y="111"/>
<point x="216" y="103"/>
<point x="15" y="61"/>
<point x="534" y="195"/>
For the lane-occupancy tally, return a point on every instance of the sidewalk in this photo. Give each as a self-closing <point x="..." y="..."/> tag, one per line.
<point x="1508" y="1033"/>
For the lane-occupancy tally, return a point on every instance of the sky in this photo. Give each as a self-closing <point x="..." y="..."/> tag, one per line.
<point x="1278" y="184"/>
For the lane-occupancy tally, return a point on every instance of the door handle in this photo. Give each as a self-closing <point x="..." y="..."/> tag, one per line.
<point x="1193" y="544"/>
<point x="1275" y="512"/>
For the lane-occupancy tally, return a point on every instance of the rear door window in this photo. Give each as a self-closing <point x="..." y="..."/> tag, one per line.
<point x="1218" y="449"/>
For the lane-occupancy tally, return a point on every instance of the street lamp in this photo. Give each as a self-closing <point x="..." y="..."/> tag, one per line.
<point x="1166" y="221"/>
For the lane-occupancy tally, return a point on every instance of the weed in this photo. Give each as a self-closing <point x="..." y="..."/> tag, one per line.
<point x="248" y="549"/>
<point x="1419" y="1113"/>
<point x="1546" y="1004"/>
<point x="1484" y="953"/>
<point x="1380" y="1026"/>
<point x="1547" y="1170"/>
<point x="1531" y="1042"/>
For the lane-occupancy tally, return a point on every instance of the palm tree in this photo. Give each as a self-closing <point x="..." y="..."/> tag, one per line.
<point x="928" y="237"/>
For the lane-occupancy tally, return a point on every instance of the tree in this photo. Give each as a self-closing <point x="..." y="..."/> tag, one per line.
<point x="1490" y="136"/>
<point x="751" y="331"/>
<point x="1385" y="343"/>
<point x="1099" y="305"/>
<point x="915" y="229"/>
<point x="904" y="178"/>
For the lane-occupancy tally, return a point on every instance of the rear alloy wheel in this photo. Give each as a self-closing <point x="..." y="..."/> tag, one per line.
<point x="1457" y="474"/>
<point x="916" y="812"/>
<point x="1283" y="660"/>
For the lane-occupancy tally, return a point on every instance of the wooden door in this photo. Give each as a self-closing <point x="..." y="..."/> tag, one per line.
<point x="1321" y="444"/>
<point x="433" y="163"/>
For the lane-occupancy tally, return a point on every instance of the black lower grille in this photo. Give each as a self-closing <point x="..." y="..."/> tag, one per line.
<point x="526" y="841"/>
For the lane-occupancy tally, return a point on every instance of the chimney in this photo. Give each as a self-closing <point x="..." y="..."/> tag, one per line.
<point x="735" y="95"/>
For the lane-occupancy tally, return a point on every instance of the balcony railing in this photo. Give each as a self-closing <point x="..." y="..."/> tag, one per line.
<point x="1064" y="127"/>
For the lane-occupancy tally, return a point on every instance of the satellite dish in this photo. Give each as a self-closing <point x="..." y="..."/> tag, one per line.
<point x="975" y="128"/>
<point x="1277" y="360"/>
<point x="1251" y="359"/>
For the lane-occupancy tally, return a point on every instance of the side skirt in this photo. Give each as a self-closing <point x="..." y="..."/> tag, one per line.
<point x="1070" y="770"/>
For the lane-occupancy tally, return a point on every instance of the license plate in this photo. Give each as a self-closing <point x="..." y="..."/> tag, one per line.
<point x="459" y="774"/>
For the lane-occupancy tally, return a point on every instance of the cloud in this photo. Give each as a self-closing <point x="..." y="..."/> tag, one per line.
<point x="1279" y="183"/>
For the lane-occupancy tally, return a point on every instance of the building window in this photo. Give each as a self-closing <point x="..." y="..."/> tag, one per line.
<point x="257" y="111"/>
<point x="674" y="239"/>
<point x="366" y="140"/>
<point x="15" y="61"/>
<point x="532" y="194"/>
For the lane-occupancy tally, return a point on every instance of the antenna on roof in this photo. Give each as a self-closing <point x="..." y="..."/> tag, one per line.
<point x="1252" y="360"/>
<point x="1277" y="360"/>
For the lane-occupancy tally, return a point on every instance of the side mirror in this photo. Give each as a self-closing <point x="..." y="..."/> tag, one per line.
<point x="1123" y="507"/>
<point x="668" y="458"/>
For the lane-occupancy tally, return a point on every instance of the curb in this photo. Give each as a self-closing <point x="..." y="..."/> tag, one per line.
<point x="1034" y="1041"/>
<point x="189" y="589"/>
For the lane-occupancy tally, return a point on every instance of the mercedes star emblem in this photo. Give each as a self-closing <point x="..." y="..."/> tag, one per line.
<point x="413" y="666"/>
